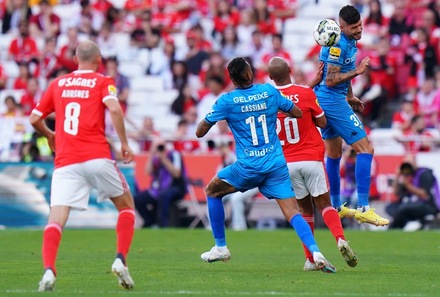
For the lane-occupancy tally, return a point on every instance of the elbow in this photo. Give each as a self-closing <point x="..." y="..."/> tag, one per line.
<point x="330" y="83"/>
<point x="323" y="122"/>
<point x="297" y="113"/>
<point x="115" y="110"/>
<point x="34" y="119"/>
<point x="199" y="134"/>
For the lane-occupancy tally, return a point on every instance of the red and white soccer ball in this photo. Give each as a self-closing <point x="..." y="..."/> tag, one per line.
<point x="327" y="33"/>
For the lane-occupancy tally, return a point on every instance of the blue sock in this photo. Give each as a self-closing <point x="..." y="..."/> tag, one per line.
<point x="334" y="177"/>
<point x="304" y="232"/>
<point x="217" y="218"/>
<point x="363" y="177"/>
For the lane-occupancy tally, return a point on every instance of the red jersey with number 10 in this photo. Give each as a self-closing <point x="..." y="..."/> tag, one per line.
<point x="78" y="102"/>
<point x="300" y="138"/>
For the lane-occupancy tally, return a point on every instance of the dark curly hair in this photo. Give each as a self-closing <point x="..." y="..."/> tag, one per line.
<point x="237" y="68"/>
<point x="349" y="14"/>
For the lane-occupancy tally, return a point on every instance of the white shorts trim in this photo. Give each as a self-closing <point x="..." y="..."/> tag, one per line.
<point x="71" y="184"/>
<point x="308" y="177"/>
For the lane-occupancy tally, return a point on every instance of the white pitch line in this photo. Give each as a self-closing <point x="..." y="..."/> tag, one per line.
<point x="228" y="293"/>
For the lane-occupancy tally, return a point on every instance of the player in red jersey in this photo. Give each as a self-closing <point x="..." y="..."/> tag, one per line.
<point x="304" y="151"/>
<point x="82" y="159"/>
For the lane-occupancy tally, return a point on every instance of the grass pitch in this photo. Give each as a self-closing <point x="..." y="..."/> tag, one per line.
<point x="264" y="263"/>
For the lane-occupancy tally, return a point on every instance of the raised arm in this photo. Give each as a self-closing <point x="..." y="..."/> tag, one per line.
<point x="335" y="77"/>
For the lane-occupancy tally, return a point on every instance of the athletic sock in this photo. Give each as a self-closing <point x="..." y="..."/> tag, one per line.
<point x="363" y="177"/>
<point x="124" y="232"/>
<point x="51" y="242"/>
<point x="310" y="220"/>
<point x="217" y="218"/>
<point x="333" y="222"/>
<point x="304" y="232"/>
<point x="333" y="173"/>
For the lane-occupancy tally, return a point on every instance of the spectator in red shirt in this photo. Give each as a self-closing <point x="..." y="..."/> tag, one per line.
<point x="264" y="19"/>
<point x="417" y="138"/>
<point x="215" y="66"/>
<point x="283" y="9"/>
<point x="31" y="97"/>
<point x="427" y="102"/>
<point x="225" y="15"/>
<point x="161" y="18"/>
<point x="49" y="61"/>
<point x="20" y="83"/>
<point x="45" y="23"/>
<point x="68" y="51"/>
<point x="199" y="36"/>
<point x="103" y="6"/>
<point x="24" y="48"/>
<point x="136" y="5"/>
<point x="277" y="50"/>
<point x="383" y="67"/>
<point x="184" y="141"/>
<point x="376" y="23"/>
<point x="402" y="118"/>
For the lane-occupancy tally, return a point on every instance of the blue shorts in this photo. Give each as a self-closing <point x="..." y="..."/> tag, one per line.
<point x="342" y="121"/>
<point x="274" y="184"/>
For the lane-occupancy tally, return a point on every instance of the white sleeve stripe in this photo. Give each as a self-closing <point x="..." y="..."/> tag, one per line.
<point x="109" y="97"/>
<point x="320" y="115"/>
<point x="37" y="112"/>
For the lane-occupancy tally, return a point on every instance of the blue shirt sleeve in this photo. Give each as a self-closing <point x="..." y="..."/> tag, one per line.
<point x="218" y="112"/>
<point x="336" y="54"/>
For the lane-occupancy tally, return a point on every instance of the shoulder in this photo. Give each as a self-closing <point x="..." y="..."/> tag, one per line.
<point x="267" y="87"/>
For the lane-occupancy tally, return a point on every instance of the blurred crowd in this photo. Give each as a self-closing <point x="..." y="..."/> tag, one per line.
<point x="187" y="43"/>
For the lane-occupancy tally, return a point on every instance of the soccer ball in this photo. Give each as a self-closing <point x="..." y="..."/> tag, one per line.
<point x="327" y="33"/>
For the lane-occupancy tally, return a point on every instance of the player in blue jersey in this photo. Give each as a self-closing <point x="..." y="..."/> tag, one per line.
<point x="336" y="98"/>
<point x="251" y="113"/>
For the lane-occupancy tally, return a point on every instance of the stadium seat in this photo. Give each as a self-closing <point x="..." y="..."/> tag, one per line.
<point x="122" y="41"/>
<point x="164" y="97"/>
<point x="131" y="68"/>
<point x="149" y="83"/>
<point x="384" y="142"/>
<point x="11" y="69"/>
<point x="137" y="98"/>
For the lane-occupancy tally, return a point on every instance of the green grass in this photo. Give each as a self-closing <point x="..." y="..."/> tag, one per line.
<point x="264" y="263"/>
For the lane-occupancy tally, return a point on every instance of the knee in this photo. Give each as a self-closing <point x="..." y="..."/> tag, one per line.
<point x="212" y="192"/>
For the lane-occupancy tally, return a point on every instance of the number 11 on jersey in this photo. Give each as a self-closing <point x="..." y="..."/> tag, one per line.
<point x="251" y="122"/>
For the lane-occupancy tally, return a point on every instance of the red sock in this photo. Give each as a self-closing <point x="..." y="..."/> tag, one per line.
<point x="51" y="242"/>
<point x="310" y="219"/>
<point x="125" y="231"/>
<point x="333" y="222"/>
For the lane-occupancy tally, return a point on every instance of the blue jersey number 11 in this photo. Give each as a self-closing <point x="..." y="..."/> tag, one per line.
<point x="261" y="119"/>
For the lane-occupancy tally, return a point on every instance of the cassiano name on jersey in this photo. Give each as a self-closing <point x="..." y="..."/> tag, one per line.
<point x="251" y="98"/>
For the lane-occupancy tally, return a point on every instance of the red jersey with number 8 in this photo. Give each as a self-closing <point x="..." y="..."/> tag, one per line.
<point x="300" y="138"/>
<point x="78" y="102"/>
